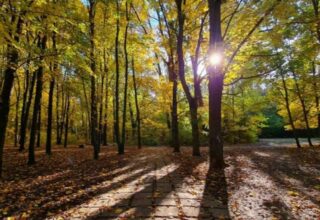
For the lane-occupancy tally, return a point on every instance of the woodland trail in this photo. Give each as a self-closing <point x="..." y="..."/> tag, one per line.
<point x="154" y="183"/>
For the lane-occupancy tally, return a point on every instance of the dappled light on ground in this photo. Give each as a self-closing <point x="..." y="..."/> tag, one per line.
<point x="155" y="183"/>
<point x="280" y="183"/>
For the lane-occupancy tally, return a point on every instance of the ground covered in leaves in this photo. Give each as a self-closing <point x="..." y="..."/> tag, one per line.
<point x="259" y="182"/>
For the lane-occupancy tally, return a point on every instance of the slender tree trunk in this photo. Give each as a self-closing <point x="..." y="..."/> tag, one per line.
<point x="101" y="116"/>
<point x="16" y="121"/>
<point x="316" y="96"/>
<point x="49" y="123"/>
<point x="174" y="118"/>
<point x="37" y="101"/>
<point x="133" y="123"/>
<point x="304" y="109"/>
<point x="88" y="110"/>
<point x="191" y="100"/>
<point x="116" y="120"/>
<point x="136" y="103"/>
<point x="25" y="117"/>
<point x="58" y="116"/>
<point x="65" y="144"/>
<point x="125" y="94"/>
<point x="39" y="127"/>
<point x="289" y="111"/>
<point x="215" y="87"/>
<point x="94" y="115"/>
<point x="105" y="123"/>
<point x="50" y="101"/>
<point x="24" y="102"/>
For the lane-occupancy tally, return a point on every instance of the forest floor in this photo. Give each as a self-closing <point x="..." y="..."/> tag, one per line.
<point x="259" y="182"/>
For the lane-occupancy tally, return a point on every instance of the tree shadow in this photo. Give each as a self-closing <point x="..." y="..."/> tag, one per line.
<point x="80" y="184"/>
<point x="214" y="203"/>
<point x="158" y="198"/>
<point x="288" y="175"/>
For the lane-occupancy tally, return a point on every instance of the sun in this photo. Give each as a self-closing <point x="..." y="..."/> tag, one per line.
<point x="215" y="59"/>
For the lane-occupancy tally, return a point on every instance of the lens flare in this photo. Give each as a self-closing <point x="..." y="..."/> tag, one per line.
<point x="215" y="59"/>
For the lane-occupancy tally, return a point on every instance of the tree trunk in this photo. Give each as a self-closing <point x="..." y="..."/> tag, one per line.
<point x="94" y="115"/>
<point x="105" y="123"/>
<point x="25" y="117"/>
<point x="191" y="100"/>
<point x="317" y="99"/>
<point x="5" y="96"/>
<point x="58" y="139"/>
<point x="125" y="94"/>
<point x="215" y="86"/>
<point x="37" y="101"/>
<point x="304" y="109"/>
<point x="49" y="123"/>
<point x="101" y="116"/>
<point x="133" y="122"/>
<point x="175" y="143"/>
<point x="16" y="121"/>
<point x="65" y="144"/>
<point x="288" y="110"/>
<point x="136" y="103"/>
<point x="39" y="127"/>
<point x="24" y="102"/>
<point x="116" y="104"/>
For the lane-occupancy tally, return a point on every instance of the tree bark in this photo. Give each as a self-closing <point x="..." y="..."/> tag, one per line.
<point x="288" y="109"/>
<point x="38" y="134"/>
<point x="138" y="120"/>
<point x="16" y="121"/>
<point x="175" y="143"/>
<point x="65" y="144"/>
<point x="193" y="107"/>
<point x="37" y="102"/>
<point x="106" y="104"/>
<point x="116" y="104"/>
<point x="125" y="94"/>
<point x="94" y="115"/>
<point x="25" y="117"/>
<point x="215" y="86"/>
<point x="49" y="123"/>
<point x="304" y="109"/>
<point x="24" y="104"/>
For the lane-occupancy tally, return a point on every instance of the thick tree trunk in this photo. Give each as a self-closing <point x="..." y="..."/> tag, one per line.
<point x="5" y="96"/>
<point x="136" y="104"/>
<point x="37" y="101"/>
<point x="288" y="110"/>
<point x="215" y="87"/>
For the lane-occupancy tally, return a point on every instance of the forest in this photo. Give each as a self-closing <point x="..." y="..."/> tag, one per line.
<point x="159" y="109"/>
